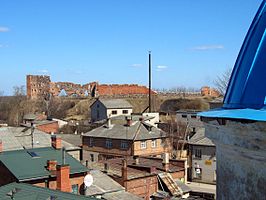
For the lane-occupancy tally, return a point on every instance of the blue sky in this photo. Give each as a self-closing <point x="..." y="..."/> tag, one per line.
<point x="192" y="41"/>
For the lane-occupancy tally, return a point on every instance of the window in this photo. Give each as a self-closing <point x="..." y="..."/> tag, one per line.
<point x="124" y="145"/>
<point x="143" y="145"/>
<point x="114" y="112"/>
<point x="198" y="153"/>
<point x="92" y="157"/>
<point x="194" y="116"/>
<point x="184" y="116"/>
<point x="75" y="189"/>
<point x="108" y="143"/>
<point x="91" y="142"/>
<point x="153" y="143"/>
<point x="125" y="111"/>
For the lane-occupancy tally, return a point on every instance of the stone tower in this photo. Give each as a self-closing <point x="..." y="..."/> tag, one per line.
<point x="38" y="86"/>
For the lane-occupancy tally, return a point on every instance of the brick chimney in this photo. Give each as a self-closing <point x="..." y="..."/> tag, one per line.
<point x="1" y="146"/>
<point x="56" y="142"/>
<point x="51" y="165"/>
<point x="124" y="171"/>
<point x="62" y="178"/>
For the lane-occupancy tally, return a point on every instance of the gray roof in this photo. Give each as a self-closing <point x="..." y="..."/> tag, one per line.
<point x="121" y="195"/>
<point x="102" y="184"/>
<point x="115" y="103"/>
<point x="30" y="192"/>
<point x="14" y="138"/>
<point x="199" y="138"/>
<point x="137" y="131"/>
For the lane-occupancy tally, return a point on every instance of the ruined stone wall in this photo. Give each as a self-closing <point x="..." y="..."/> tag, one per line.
<point x="125" y="89"/>
<point x="39" y="86"/>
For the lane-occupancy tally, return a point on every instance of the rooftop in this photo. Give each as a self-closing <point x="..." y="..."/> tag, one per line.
<point x="14" y="138"/>
<point x="138" y="170"/>
<point x="22" y="191"/>
<point x="32" y="162"/>
<point x="199" y="138"/>
<point x="115" y="103"/>
<point x="137" y="131"/>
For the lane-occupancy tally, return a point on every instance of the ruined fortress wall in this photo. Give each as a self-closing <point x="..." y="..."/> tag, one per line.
<point x="37" y="86"/>
<point x="120" y="90"/>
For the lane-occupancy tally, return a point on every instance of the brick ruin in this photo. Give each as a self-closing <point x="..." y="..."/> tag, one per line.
<point x="41" y="86"/>
<point x="209" y="92"/>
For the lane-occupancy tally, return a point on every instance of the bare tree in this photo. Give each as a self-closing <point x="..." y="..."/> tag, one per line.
<point x="19" y="91"/>
<point x="221" y="82"/>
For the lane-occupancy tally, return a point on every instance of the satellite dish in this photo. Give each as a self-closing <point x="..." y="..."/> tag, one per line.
<point x="88" y="180"/>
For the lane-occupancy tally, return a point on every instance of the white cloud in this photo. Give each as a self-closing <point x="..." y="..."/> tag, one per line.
<point x="4" y="29"/>
<point x="161" y="67"/>
<point x="44" y="71"/>
<point x="136" y="65"/>
<point x="207" y="47"/>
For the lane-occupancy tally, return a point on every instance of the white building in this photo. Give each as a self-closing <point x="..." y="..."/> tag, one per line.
<point x="102" y="109"/>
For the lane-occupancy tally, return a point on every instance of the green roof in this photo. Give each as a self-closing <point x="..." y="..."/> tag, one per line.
<point x="24" y="166"/>
<point x="30" y="192"/>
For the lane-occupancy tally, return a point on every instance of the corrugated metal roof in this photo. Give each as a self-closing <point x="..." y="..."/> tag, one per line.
<point x="30" y="192"/>
<point x="34" y="168"/>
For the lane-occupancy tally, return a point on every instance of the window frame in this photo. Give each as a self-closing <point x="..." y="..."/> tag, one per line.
<point x="143" y="144"/>
<point x="154" y="143"/>
<point x="108" y="143"/>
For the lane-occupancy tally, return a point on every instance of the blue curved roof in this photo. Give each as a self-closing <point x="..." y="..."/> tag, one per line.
<point x="245" y="97"/>
<point x="247" y="86"/>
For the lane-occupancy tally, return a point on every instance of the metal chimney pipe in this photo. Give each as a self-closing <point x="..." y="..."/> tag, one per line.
<point x="63" y="156"/>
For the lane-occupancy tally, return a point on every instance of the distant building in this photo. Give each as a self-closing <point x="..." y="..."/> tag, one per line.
<point x="131" y="137"/>
<point x="202" y="158"/>
<point x="209" y="92"/>
<point x="46" y="167"/>
<point x="41" y="123"/>
<point x="102" y="109"/>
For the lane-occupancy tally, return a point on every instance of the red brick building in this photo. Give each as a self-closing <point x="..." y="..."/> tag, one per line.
<point x="139" y="175"/>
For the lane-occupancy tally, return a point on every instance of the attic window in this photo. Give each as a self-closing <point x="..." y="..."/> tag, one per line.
<point x="33" y="154"/>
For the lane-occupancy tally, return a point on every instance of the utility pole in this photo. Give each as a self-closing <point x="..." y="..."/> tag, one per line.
<point x="149" y="81"/>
